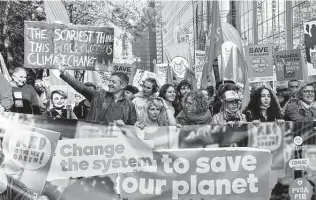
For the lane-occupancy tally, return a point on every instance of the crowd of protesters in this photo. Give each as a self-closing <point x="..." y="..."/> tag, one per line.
<point x="167" y="105"/>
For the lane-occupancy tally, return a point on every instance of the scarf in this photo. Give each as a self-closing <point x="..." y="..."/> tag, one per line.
<point x="230" y="115"/>
<point x="192" y="118"/>
<point x="304" y="105"/>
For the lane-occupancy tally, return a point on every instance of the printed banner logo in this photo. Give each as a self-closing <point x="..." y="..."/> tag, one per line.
<point x="300" y="189"/>
<point x="179" y="65"/>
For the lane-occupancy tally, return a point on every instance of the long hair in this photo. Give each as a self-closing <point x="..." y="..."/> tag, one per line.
<point x="163" y="90"/>
<point x="200" y="103"/>
<point x="274" y="110"/>
<point x="162" y="121"/>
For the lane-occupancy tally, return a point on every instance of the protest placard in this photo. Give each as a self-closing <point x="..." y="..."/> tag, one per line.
<point x="29" y="152"/>
<point x="126" y="69"/>
<point x="99" y="156"/>
<point x="162" y="69"/>
<point x="48" y="45"/>
<point x="260" y="63"/>
<point x="288" y="65"/>
<point x="269" y="136"/>
<point x="137" y="80"/>
<point x="202" y="174"/>
<point x="199" y="63"/>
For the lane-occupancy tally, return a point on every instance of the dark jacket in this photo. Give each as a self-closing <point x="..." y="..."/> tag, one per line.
<point x="101" y="101"/>
<point x="81" y="110"/>
<point x="216" y="106"/>
<point x="25" y="100"/>
<point x="296" y="112"/>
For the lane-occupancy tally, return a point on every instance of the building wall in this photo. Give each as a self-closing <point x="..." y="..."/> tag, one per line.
<point x="188" y="21"/>
<point x="279" y="22"/>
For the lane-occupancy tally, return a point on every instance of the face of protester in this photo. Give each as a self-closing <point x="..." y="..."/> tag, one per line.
<point x="189" y="104"/>
<point x="265" y="98"/>
<point x="128" y="94"/>
<point x="308" y="94"/>
<point x="147" y="88"/>
<point x="153" y="112"/>
<point x="293" y="86"/>
<point x="115" y="84"/>
<point x="170" y="94"/>
<point x="58" y="100"/>
<point x="232" y="106"/>
<point x="280" y="98"/>
<point x="184" y="89"/>
<point x="19" y="78"/>
<point x="205" y="93"/>
<point x="39" y="86"/>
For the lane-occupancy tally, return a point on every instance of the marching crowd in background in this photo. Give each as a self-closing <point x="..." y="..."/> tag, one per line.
<point x="168" y="105"/>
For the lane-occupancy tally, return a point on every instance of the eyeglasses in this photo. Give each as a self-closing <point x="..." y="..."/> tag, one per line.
<point x="189" y="103"/>
<point x="309" y="91"/>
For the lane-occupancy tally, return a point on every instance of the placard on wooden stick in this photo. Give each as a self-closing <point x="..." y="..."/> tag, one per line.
<point x="49" y="45"/>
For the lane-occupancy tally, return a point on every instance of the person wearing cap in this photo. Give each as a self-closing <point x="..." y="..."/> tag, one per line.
<point x="263" y="106"/>
<point x="60" y="110"/>
<point x="230" y="111"/>
<point x="221" y="88"/>
<point x="304" y="108"/>
<point x="195" y="110"/>
<point x="130" y="92"/>
<point x="82" y="109"/>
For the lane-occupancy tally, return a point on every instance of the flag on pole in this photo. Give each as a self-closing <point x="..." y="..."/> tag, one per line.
<point x="179" y="58"/>
<point x="242" y="77"/>
<point x="213" y="46"/>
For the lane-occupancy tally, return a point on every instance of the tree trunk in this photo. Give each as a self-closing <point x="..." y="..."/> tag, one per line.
<point x="5" y="36"/>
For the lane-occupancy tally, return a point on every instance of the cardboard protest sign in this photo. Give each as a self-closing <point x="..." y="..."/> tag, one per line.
<point x="29" y="152"/>
<point x="162" y="69"/>
<point x="268" y="136"/>
<point x="199" y="63"/>
<point x="137" y="81"/>
<point x="125" y="68"/>
<point x="99" y="156"/>
<point x="260" y="63"/>
<point x="226" y="173"/>
<point x="288" y="65"/>
<point x="48" y="45"/>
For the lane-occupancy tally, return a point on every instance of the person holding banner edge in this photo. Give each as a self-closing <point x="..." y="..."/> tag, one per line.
<point x="268" y="110"/>
<point x="304" y="107"/>
<point x="106" y="106"/>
